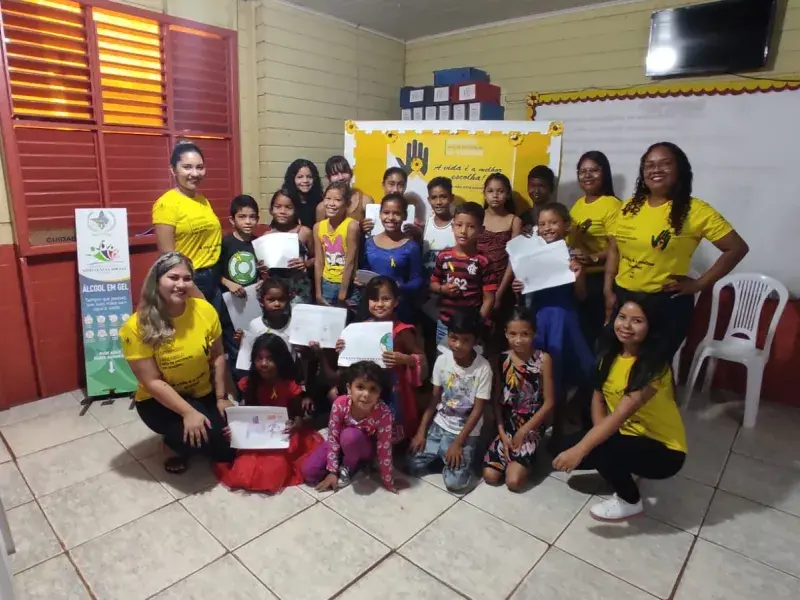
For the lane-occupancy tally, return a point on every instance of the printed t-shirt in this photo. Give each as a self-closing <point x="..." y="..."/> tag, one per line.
<point x="595" y="221"/>
<point x="183" y="360"/>
<point x="649" y="249"/>
<point x="237" y="261"/>
<point x="460" y="387"/>
<point x="334" y="246"/>
<point x="471" y="276"/>
<point x="198" y="233"/>
<point x="658" y="418"/>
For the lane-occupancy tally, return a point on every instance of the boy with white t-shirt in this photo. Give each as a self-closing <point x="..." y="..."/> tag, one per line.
<point x="438" y="233"/>
<point x="462" y="383"/>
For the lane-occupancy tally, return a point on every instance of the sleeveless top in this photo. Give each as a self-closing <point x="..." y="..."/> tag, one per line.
<point x="334" y="245"/>
<point x="492" y="244"/>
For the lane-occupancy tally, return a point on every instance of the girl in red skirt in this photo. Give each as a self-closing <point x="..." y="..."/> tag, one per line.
<point x="272" y="381"/>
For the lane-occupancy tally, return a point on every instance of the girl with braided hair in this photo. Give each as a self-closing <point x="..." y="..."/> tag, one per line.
<point x="655" y="236"/>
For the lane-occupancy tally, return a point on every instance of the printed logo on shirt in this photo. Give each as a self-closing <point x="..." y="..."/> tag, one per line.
<point x="334" y="251"/>
<point x="661" y="240"/>
<point x="242" y="267"/>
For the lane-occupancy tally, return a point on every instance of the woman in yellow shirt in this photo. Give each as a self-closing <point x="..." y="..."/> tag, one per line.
<point x="636" y="426"/>
<point x="173" y="345"/>
<point x="185" y="221"/>
<point x="593" y="218"/>
<point x="655" y="236"/>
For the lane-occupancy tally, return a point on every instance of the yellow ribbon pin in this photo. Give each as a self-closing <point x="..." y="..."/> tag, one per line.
<point x="392" y="263"/>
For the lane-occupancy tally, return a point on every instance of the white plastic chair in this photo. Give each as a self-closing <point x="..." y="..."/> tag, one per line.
<point x="676" y="360"/>
<point x="738" y="344"/>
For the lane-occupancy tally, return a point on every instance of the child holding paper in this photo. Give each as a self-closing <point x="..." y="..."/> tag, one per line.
<point x="359" y="429"/>
<point x="273" y="381"/>
<point x="336" y="242"/>
<point x="461" y="274"/>
<point x="462" y="383"/>
<point x="395" y="255"/>
<point x="558" y="330"/>
<point x="297" y="276"/>
<point x="237" y="266"/>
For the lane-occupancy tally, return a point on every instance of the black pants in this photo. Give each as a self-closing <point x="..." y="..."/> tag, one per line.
<point x="676" y="311"/>
<point x="592" y="310"/>
<point x="170" y="424"/>
<point x="621" y="456"/>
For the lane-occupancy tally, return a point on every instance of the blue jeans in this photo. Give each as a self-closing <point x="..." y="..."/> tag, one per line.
<point x="207" y="281"/>
<point x="436" y="444"/>
<point x="441" y="331"/>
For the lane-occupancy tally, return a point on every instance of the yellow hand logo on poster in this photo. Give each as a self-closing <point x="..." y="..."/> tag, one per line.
<point x="416" y="158"/>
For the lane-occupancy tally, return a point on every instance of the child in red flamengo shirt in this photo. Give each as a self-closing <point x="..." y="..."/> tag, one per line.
<point x="461" y="276"/>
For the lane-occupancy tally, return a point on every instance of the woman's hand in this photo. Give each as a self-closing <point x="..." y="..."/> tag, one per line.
<point x="681" y="285"/>
<point x="367" y="225"/>
<point x="298" y="264"/>
<point x="517" y="286"/>
<point x="394" y="359"/>
<point x="339" y="346"/>
<point x="568" y="460"/>
<point x="331" y="482"/>
<point x="611" y="302"/>
<point x="195" y="429"/>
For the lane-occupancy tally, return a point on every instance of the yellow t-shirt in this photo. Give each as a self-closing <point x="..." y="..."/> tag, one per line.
<point x="594" y="221"/>
<point x="183" y="361"/>
<point x="649" y="249"/>
<point x="659" y="418"/>
<point x="198" y="233"/>
<point x="334" y="246"/>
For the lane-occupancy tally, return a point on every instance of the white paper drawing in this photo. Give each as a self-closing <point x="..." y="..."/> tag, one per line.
<point x="275" y="250"/>
<point x="366" y="341"/>
<point x="258" y="427"/>
<point x="540" y="267"/>
<point x="322" y="324"/>
<point x="243" y="310"/>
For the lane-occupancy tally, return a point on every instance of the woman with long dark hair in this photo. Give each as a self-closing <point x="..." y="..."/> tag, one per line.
<point x="593" y="217"/>
<point x="636" y="426"/>
<point x="655" y="236"/>
<point x="303" y="183"/>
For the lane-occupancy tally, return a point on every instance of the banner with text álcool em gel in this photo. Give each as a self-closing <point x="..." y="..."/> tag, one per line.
<point x="104" y="275"/>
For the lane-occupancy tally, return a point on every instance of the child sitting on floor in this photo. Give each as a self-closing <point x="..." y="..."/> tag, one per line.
<point x="462" y="383"/>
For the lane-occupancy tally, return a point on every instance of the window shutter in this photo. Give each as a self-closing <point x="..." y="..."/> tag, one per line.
<point x="131" y="69"/>
<point x="48" y="66"/>
<point x="200" y="67"/>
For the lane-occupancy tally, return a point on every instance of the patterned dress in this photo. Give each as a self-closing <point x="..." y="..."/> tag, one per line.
<point x="520" y="401"/>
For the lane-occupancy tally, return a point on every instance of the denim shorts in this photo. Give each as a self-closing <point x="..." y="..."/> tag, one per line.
<point x="330" y="292"/>
<point x="441" y="331"/>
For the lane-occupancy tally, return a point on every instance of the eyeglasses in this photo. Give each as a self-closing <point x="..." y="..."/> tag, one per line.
<point x="664" y="165"/>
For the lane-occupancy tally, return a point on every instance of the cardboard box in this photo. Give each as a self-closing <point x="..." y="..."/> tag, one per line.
<point x="441" y="94"/>
<point x="459" y="75"/>
<point x="405" y="114"/>
<point x="459" y="112"/>
<point x="475" y="92"/>
<point x="417" y="113"/>
<point x="445" y="112"/>
<point x="430" y="113"/>
<point x="416" y="96"/>
<point x="482" y="111"/>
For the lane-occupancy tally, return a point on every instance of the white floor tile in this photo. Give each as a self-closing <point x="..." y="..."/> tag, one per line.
<point x="46" y="406"/>
<point x="474" y="552"/>
<point x="13" y="489"/>
<point x="397" y="579"/>
<point x="710" y="432"/>
<point x="49" y="430"/>
<point x="435" y="479"/>
<point x="714" y="573"/>
<point x="312" y="556"/>
<point x="763" y="482"/>
<point x="544" y="510"/>
<point x="140" y="440"/>
<point x="677" y="501"/>
<point x="225" y="578"/>
<point x="93" y="507"/>
<point x="199" y="477"/>
<point x="235" y="518"/>
<point x="114" y="412"/>
<point x="55" y="578"/>
<point x="559" y="576"/>
<point x="646" y="553"/>
<point x="5" y="455"/>
<point x="146" y="556"/>
<point x="774" y="438"/>
<point x="757" y="531"/>
<point x="62" y="466"/>
<point x="33" y="537"/>
<point x="392" y="518"/>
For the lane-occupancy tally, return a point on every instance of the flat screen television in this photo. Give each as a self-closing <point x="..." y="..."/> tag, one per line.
<point x="716" y="37"/>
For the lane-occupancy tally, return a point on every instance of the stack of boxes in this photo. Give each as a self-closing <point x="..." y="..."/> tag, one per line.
<point x="462" y="94"/>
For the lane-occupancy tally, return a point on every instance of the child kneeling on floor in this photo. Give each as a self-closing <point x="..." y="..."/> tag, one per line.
<point x="462" y="383"/>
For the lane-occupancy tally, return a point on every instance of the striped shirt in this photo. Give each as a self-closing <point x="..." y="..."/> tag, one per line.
<point x="469" y="273"/>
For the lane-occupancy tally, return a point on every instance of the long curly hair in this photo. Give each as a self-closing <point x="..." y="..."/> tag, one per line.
<point x="680" y="194"/>
<point x="315" y="193"/>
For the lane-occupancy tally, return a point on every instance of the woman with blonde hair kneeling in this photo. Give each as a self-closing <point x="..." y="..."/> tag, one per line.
<point x="173" y="345"/>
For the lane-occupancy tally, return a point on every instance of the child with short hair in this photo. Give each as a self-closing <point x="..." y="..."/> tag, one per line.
<point x="285" y="219"/>
<point x="237" y="265"/>
<point x="461" y="274"/>
<point x="359" y="429"/>
<point x="449" y="430"/>
<point x="541" y="186"/>
<point x="438" y="233"/>
<point x="523" y="399"/>
<point x="336" y="241"/>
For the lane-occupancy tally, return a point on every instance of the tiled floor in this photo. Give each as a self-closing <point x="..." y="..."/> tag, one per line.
<point x="94" y="515"/>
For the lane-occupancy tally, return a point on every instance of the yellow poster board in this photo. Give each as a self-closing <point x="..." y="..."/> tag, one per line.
<point x="465" y="151"/>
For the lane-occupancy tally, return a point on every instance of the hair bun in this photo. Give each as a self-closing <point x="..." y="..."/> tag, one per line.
<point x="180" y="143"/>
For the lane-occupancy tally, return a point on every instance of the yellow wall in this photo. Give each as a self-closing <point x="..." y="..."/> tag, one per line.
<point x="313" y="74"/>
<point x="603" y="47"/>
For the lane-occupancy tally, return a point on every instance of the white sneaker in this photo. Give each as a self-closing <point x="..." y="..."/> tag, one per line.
<point x="616" y="509"/>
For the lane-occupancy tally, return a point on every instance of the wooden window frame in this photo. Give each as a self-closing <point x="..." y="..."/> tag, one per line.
<point x="13" y="168"/>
